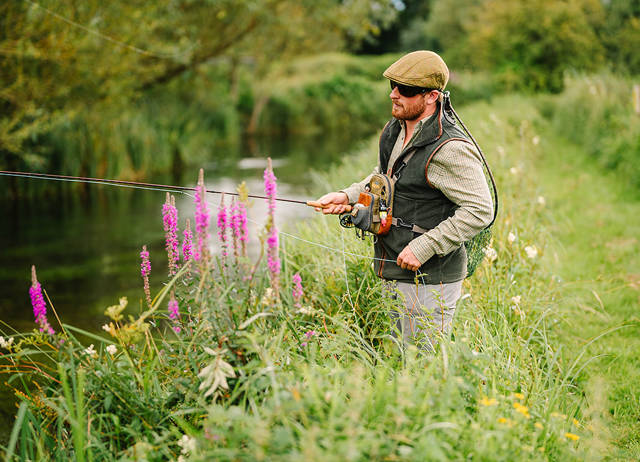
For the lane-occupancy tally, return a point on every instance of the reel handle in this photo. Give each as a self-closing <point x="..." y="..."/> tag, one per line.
<point x="319" y="205"/>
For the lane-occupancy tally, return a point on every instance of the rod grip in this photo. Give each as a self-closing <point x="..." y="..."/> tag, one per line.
<point x="319" y="205"/>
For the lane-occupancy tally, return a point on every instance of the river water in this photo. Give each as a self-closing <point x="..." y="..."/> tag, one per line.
<point x="85" y="241"/>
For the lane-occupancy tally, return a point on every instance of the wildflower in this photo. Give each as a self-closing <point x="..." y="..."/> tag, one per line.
<point x="174" y="312"/>
<point x="115" y="311"/>
<point x="145" y="270"/>
<point x="216" y="373"/>
<point x="269" y="297"/>
<point x="202" y="220"/>
<point x="538" y="425"/>
<point x="91" y="351"/>
<point x="243" y="230"/>
<point x="187" y="444"/>
<point x="575" y="422"/>
<point x="187" y="242"/>
<point x="516" y="301"/>
<point x="297" y="291"/>
<point x="490" y="254"/>
<point x="511" y="238"/>
<point x="170" y="222"/>
<point x="222" y="229"/>
<point x="308" y="335"/>
<point x="112" y="349"/>
<point x="531" y="251"/>
<point x="504" y="420"/>
<point x="273" y="261"/>
<point x="233" y="224"/>
<point x="541" y="201"/>
<point x="488" y="401"/>
<point x="518" y="396"/>
<point x="524" y="410"/>
<point x="6" y="344"/>
<point x="571" y="436"/>
<point x="39" y="306"/>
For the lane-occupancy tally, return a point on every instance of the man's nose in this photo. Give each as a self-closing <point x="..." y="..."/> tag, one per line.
<point x="395" y="94"/>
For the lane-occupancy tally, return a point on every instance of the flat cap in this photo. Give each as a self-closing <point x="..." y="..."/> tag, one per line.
<point x="419" y="69"/>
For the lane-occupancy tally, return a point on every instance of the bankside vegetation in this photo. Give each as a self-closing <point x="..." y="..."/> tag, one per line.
<point x="292" y="357"/>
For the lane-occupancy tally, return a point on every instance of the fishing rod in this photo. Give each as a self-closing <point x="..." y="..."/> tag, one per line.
<point x="50" y="176"/>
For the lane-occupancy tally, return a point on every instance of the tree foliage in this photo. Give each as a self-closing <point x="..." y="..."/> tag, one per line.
<point x="58" y="58"/>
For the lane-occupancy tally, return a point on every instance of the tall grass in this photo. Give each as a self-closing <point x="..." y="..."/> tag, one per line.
<point x="326" y="380"/>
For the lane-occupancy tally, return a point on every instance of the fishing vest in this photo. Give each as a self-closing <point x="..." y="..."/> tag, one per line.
<point x="417" y="202"/>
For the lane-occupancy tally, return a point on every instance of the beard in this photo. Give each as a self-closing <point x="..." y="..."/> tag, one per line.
<point x="408" y="110"/>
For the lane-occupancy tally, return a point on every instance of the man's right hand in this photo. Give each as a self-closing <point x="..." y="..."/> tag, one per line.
<point x="333" y="203"/>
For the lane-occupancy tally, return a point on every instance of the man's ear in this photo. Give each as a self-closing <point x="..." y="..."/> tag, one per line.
<point x="432" y="97"/>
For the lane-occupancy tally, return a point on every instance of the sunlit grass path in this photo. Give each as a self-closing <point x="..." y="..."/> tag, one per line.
<point x="596" y="231"/>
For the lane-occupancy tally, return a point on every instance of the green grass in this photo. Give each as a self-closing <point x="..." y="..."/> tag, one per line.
<point x="543" y="349"/>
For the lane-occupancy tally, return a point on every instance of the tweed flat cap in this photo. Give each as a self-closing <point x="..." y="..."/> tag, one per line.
<point x="419" y="69"/>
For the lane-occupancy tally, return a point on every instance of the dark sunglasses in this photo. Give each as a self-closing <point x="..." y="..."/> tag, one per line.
<point x="409" y="91"/>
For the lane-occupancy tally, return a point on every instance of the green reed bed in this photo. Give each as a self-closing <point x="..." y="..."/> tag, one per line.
<point x="250" y="368"/>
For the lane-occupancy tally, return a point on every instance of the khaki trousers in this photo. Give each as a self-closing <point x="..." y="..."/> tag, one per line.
<point x="427" y="312"/>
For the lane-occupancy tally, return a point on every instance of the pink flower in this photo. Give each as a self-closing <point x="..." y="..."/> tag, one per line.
<point x="202" y="220"/>
<point x="174" y="312"/>
<point x="273" y="260"/>
<point x="222" y="229"/>
<point x="170" y="221"/>
<point x="297" y="290"/>
<point x="187" y="243"/>
<point x="39" y="306"/>
<point x="145" y="270"/>
<point x="239" y="226"/>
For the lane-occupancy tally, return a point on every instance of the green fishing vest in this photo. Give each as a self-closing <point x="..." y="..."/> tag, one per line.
<point x="416" y="202"/>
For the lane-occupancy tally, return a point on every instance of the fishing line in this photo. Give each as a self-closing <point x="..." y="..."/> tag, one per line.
<point x="107" y="37"/>
<point x="178" y="190"/>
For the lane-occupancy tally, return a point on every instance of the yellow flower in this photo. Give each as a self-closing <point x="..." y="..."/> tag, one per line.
<point x="538" y="425"/>
<point x="518" y="395"/>
<point x="571" y="436"/>
<point x="576" y="423"/>
<point x="488" y="401"/>
<point x="524" y="410"/>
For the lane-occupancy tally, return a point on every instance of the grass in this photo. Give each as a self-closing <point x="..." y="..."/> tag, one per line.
<point x="541" y="365"/>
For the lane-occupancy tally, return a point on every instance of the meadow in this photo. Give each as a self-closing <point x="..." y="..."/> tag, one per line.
<point x="291" y="356"/>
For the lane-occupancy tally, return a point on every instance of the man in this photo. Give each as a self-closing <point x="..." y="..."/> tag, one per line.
<point x="441" y="199"/>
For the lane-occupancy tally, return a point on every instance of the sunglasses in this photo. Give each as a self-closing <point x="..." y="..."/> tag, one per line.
<point x="409" y="91"/>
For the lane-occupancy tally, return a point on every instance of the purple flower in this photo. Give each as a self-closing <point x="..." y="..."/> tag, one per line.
<point x="39" y="306"/>
<point x="222" y="229"/>
<point x="145" y="270"/>
<point x="187" y="243"/>
<point x="202" y="220"/>
<point x="297" y="290"/>
<point x="239" y="226"/>
<point x="273" y="260"/>
<point x="170" y="221"/>
<point x="174" y="312"/>
<point x="309" y="334"/>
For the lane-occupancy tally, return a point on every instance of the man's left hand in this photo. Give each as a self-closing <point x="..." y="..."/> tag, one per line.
<point x="407" y="260"/>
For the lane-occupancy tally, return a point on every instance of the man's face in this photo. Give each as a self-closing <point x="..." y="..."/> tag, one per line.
<point x="407" y="108"/>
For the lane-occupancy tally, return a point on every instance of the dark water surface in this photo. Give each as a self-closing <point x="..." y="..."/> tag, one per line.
<point x="85" y="241"/>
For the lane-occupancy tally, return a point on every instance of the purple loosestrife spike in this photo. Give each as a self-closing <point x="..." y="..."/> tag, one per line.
<point x="39" y="306"/>
<point x="234" y="225"/>
<point x="273" y="260"/>
<point x="243" y="230"/>
<point x="297" y="291"/>
<point x="170" y="221"/>
<point x="187" y="243"/>
<point x="145" y="270"/>
<point x="202" y="220"/>
<point x="222" y="230"/>
<point x="174" y="312"/>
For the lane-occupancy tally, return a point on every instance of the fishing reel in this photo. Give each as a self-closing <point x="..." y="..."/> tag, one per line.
<point x="372" y="213"/>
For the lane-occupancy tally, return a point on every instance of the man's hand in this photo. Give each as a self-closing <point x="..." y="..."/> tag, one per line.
<point x="333" y="203"/>
<point x="407" y="260"/>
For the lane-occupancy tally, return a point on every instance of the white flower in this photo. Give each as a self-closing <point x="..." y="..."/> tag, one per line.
<point x="6" y="343"/>
<point x="542" y="201"/>
<point x="215" y="374"/>
<point x="490" y="254"/>
<point x="111" y="349"/>
<point x="91" y="351"/>
<point x="535" y="140"/>
<point x="516" y="300"/>
<point x="531" y="251"/>
<point x="513" y="170"/>
<point x="511" y="238"/>
<point x="187" y="444"/>
<point x="269" y="297"/>
<point x="106" y="327"/>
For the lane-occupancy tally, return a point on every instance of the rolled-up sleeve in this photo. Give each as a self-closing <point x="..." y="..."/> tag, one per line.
<point x="457" y="171"/>
<point x="353" y="191"/>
